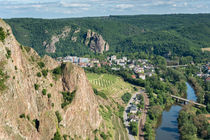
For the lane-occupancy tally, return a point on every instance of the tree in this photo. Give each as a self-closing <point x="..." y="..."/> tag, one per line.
<point x="126" y="97"/>
<point x="134" y="128"/>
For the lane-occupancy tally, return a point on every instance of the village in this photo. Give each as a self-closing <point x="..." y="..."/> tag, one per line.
<point x="141" y="67"/>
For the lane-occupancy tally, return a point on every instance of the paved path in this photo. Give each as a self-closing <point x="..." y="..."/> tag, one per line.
<point x="125" y="116"/>
<point x="142" y="119"/>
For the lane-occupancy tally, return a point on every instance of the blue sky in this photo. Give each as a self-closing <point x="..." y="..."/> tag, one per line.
<point x="89" y="8"/>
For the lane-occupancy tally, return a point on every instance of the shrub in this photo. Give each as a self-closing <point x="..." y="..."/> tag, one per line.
<point x="58" y="115"/>
<point x="57" y="136"/>
<point x="8" y="55"/>
<point x="103" y="136"/>
<point x="44" y="91"/>
<point x="28" y="117"/>
<point x="99" y="93"/>
<point x="3" y="78"/>
<point x="22" y="116"/>
<point x="134" y="128"/>
<point x="67" y="97"/>
<point x="57" y="71"/>
<point x="126" y="97"/>
<point x="38" y="74"/>
<point x="2" y="34"/>
<point x="49" y="95"/>
<point x="51" y="84"/>
<point x="36" y="86"/>
<point x="44" y="73"/>
<point x="28" y="49"/>
<point x="41" y="64"/>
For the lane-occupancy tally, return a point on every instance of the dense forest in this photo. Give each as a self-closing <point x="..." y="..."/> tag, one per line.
<point x="166" y="35"/>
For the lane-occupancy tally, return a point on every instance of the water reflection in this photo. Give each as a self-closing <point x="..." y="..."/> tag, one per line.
<point x="168" y="124"/>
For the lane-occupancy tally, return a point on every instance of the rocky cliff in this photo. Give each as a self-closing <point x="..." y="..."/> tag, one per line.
<point x="32" y="95"/>
<point x="96" y="42"/>
<point x="93" y="40"/>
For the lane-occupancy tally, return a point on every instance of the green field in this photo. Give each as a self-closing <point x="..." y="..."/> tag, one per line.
<point x="111" y="85"/>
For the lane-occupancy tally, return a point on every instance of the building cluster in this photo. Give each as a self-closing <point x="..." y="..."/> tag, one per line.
<point x="205" y="72"/>
<point x="133" y="110"/>
<point x="141" y="67"/>
<point x="82" y="62"/>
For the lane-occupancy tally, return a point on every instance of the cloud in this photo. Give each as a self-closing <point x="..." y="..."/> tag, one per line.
<point x="81" y="8"/>
<point x="124" y="6"/>
<point x="65" y="4"/>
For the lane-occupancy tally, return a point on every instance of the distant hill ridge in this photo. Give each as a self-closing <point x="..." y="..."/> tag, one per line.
<point x="175" y="35"/>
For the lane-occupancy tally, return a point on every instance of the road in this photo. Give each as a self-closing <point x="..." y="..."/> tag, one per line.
<point x="142" y="119"/>
<point x="125" y="116"/>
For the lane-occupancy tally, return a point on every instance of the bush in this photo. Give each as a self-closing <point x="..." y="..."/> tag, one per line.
<point x="57" y="136"/>
<point x="103" y="136"/>
<point x="2" y="34"/>
<point x="58" y="115"/>
<point x="134" y="128"/>
<point x="99" y="93"/>
<point x="22" y="116"/>
<point x="38" y="74"/>
<point x="44" y="73"/>
<point x="57" y="71"/>
<point x="44" y="91"/>
<point x="41" y="64"/>
<point x="36" y="86"/>
<point x="68" y="98"/>
<point x="126" y="97"/>
<point x="8" y="53"/>
<point x="49" y="95"/>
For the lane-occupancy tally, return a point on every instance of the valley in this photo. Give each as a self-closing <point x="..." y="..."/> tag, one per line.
<point x="105" y="78"/>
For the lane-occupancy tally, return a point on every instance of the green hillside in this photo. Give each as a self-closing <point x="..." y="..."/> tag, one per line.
<point x="166" y="35"/>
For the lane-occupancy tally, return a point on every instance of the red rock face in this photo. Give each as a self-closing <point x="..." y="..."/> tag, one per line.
<point x="80" y="118"/>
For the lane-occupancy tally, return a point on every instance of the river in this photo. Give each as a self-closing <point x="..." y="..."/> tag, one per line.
<point x="168" y="126"/>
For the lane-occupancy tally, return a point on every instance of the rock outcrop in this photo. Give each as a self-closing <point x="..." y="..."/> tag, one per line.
<point x="50" y="47"/>
<point x="26" y="112"/>
<point x="96" y="42"/>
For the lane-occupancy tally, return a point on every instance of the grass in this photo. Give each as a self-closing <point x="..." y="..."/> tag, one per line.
<point x="111" y="85"/>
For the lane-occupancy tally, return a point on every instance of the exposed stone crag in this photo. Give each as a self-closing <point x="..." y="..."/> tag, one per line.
<point x="96" y="42"/>
<point x="80" y="118"/>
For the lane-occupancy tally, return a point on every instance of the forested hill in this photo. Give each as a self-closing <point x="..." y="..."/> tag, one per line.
<point x="166" y="35"/>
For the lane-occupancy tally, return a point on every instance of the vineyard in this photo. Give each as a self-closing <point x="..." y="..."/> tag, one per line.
<point x="109" y="84"/>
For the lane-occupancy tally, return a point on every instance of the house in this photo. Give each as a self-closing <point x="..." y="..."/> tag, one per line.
<point x="116" y="69"/>
<point x="131" y="66"/>
<point x="133" y="109"/>
<point x="139" y="70"/>
<point x="142" y="76"/>
<point x="208" y="79"/>
<point x="133" y="76"/>
<point x="125" y="58"/>
<point x="133" y="118"/>
<point x="149" y="74"/>
<point x="114" y="57"/>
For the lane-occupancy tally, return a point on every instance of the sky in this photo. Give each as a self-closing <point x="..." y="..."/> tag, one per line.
<point x="91" y="8"/>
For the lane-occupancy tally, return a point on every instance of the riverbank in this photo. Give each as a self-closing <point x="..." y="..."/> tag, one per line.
<point x="172" y="129"/>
